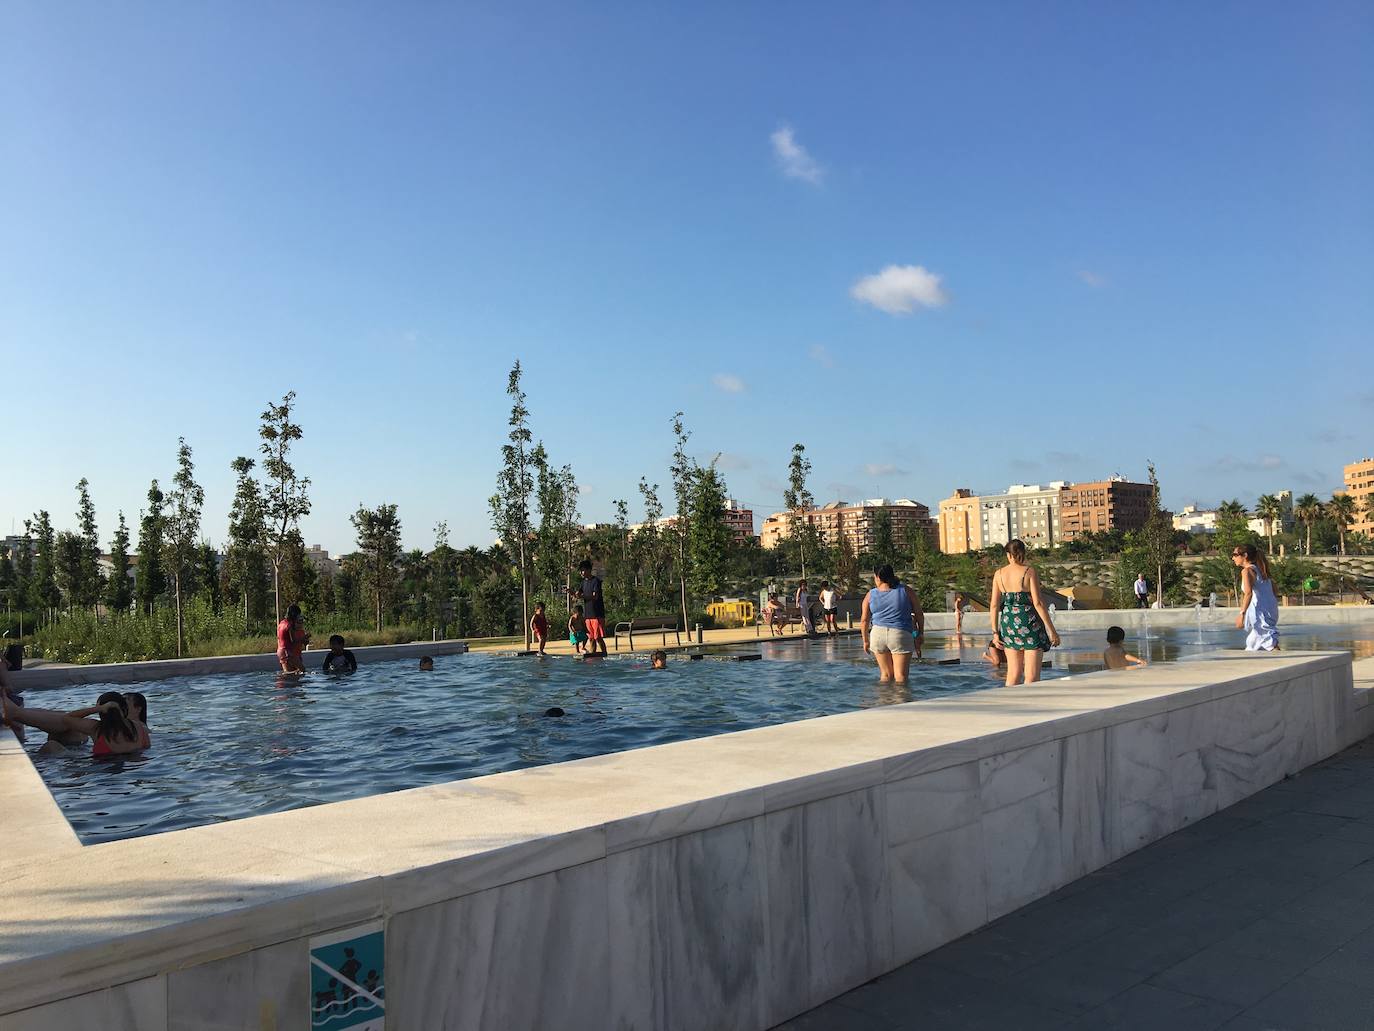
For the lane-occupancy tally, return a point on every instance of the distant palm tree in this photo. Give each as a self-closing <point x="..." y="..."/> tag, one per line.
<point x="1270" y="509"/>
<point x="1308" y="510"/>
<point x="1341" y="509"/>
<point x="1232" y="509"/>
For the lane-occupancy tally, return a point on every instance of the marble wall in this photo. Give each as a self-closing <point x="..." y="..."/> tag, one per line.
<point x="779" y="905"/>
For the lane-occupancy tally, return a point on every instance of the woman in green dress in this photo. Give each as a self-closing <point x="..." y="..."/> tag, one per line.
<point x="1021" y="624"/>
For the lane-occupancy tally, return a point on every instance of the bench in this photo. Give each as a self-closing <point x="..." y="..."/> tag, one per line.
<point x="641" y="624"/>
<point x="789" y="616"/>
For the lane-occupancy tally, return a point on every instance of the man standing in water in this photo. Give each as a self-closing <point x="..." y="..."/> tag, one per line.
<point x="593" y="607"/>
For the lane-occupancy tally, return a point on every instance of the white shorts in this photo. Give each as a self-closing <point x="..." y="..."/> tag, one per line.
<point x="890" y="639"/>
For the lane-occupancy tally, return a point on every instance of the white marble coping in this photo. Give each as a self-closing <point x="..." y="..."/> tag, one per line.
<point x="161" y="669"/>
<point x="86" y="918"/>
<point x="1176" y="616"/>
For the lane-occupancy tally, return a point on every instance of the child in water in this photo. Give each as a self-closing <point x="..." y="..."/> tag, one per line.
<point x="539" y="626"/>
<point x="1115" y="656"/>
<point x="658" y="660"/>
<point x="339" y="659"/>
<point x="577" y="630"/>
<point x="426" y="664"/>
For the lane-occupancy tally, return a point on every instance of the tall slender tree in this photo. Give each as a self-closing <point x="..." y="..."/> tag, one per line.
<point x="245" y="565"/>
<point x="286" y="500"/>
<point x="1308" y="509"/>
<point x="1158" y="537"/>
<point x="710" y="537"/>
<point x="683" y="470"/>
<point x="118" y="591"/>
<point x="180" y="545"/>
<point x="510" y="505"/>
<point x="150" y="578"/>
<point x="798" y="500"/>
<point x="1341" y="509"/>
<point x="44" y="596"/>
<point x="89" y="580"/>
<point x="443" y="575"/>
<point x="1270" y="511"/>
<point x="379" y="542"/>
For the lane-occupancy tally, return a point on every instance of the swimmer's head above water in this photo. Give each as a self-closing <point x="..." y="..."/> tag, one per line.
<point x="659" y="659"/>
<point x="426" y="663"/>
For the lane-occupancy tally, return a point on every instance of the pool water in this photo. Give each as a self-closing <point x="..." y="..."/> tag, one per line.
<point x="233" y="745"/>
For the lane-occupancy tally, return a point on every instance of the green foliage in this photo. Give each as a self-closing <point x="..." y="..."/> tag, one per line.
<point x="180" y="542"/>
<point x="1219" y="574"/>
<point x="510" y="505"/>
<point x="245" y="561"/>
<point x="379" y="541"/>
<point x="1307" y="510"/>
<point x="150" y="580"/>
<point x="285" y="497"/>
<point x="708" y="537"/>
<point x="1289" y="573"/>
<point x="118" y="591"/>
<point x="43" y="594"/>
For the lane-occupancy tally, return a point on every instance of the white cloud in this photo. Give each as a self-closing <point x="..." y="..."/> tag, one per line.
<point x="821" y="355"/>
<point x="730" y="461"/>
<point x="883" y="469"/>
<point x="1271" y="461"/>
<point x="1092" y="278"/>
<point x="730" y="384"/>
<point x="793" y="158"/>
<point x="900" y="290"/>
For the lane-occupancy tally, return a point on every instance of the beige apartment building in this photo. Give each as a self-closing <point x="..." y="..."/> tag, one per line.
<point x="1359" y="484"/>
<point x="855" y="522"/>
<point x="1040" y="516"/>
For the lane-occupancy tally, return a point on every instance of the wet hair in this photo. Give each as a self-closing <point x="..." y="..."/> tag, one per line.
<point x="886" y="575"/>
<point x="1255" y="556"/>
<point x="554" y="711"/>
<point x="659" y="655"/>
<point x="1016" y="550"/>
<point x="293" y="612"/>
<point x="426" y="661"/>
<point x="138" y="702"/>
<point x="114" y="724"/>
<point x="1115" y="635"/>
<point x="336" y="640"/>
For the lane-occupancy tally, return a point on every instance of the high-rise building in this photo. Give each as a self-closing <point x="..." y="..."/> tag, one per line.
<point x="857" y="523"/>
<point x="1114" y="504"/>
<point x="739" y="519"/>
<point x="960" y="528"/>
<point x="1027" y="511"/>
<point x="1359" y="484"/>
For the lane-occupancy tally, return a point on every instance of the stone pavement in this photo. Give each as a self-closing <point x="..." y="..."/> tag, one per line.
<point x="1259" y="917"/>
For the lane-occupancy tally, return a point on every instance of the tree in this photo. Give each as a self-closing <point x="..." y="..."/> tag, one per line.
<point x="884" y="545"/>
<point x="118" y="593"/>
<point x="182" y="537"/>
<point x="67" y="559"/>
<point x="557" y="493"/>
<point x="245" y="565"/>
<point x="44" y="596"/>
<point x="1341" y="509"/>
<point x="798" y="500"/>
<point x="1307" y="509"/>
<point x="285" y="501"/>
<point x="1270" y="510"/>
<point x="1157" y="537"/>
<point x="649" y="548"/>
<point x="683" y="470"/>
<point x="150" y="581"/>
<point x="709" y="538"/>
<point x="442" y="563"/>
<point x="89" y="581"/>
<point x="379" y="541"/>
<point x="846" y="561"/>
<point x="510" y="505"/>
<point x="1232" y="527"/>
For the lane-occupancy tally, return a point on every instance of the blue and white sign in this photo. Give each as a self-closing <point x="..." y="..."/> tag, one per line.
<point x="347" y="983"/>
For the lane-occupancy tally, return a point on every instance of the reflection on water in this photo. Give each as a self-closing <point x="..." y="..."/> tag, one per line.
<point x="228" y="746"/>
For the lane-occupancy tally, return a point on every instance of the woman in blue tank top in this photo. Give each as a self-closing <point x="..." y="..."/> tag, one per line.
<point x="886" y="624"/>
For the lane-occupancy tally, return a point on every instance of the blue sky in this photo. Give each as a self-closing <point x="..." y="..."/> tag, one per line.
<point x="1121" y="232"/>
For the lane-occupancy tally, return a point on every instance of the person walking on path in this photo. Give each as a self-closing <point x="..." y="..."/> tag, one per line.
<point x="1020" y="622"/>
<point x="886" y="625"/>
<point x="1259" y="606"/>
<point x="593" y="607"/>
<point x="803" y="600"/>
<point x="1142" y="592"/>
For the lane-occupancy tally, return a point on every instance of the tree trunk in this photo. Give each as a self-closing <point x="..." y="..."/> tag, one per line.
<point x="524" y="596"/>
<point x="1159" y="584"/>
<point x="276" y="586"/>
<point x="177" y="582"/>
<point x="379" y="611"/>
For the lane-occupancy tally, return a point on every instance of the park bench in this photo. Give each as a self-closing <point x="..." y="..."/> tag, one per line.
<point x="643" y="624"/>
<point x="789" y="616"/>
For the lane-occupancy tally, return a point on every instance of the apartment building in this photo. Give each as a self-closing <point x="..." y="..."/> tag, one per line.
<point x="1114" y="504"/>
<point x="856" y="522"/>
<point x="969" y="522"/>
<point x="1359" y="484"/>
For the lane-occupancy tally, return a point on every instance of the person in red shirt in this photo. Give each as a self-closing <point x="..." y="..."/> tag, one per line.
<point x="291" y="641"/>
<point x="539" y="626"/>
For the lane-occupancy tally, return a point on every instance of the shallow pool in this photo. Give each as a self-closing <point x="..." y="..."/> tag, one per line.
<point x="232" y="745"/>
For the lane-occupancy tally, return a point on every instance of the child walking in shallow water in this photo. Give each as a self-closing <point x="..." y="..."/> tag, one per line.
<point x="577" y="630"/>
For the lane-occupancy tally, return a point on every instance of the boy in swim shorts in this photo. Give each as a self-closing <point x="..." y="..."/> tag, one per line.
<point x="577" y="630"/>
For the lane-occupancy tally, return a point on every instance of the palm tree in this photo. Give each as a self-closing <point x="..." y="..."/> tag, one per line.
<point x="1308" y="510"/>
<point x="1341" y="509"/>
<point x="1270" y="510"/>
<point x="1232" y="509"/>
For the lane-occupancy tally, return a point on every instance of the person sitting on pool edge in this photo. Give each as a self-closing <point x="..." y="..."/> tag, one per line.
<point x="339" y="659"/>
<point x="1115" y="656"/>
<point x="426" y="664"/>
<point x="659" y="659"/>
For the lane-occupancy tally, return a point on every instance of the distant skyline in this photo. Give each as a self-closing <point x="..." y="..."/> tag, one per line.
<point x="941" y="248"/>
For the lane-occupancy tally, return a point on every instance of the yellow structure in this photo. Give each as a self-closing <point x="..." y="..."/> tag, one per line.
<point x="725" y="613"/>
<point x="1359" y="484"/>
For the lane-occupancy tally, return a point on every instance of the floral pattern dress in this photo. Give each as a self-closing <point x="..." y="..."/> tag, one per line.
<point x="1019" y="625"/>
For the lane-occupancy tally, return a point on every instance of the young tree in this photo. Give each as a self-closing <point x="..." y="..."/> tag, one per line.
<point x="709" y="539"/>
<point x="150" y="581"/>
<point x="648" y="546"/>
<point x="683" y="470"/>
<point x="67" y="558"/>
<point x="510" y="505"/>
<point x="89" y="580"/>
<point x="118" y="592"/>
<point x="846" y="560"/>
<point x="180" y="545"/>
<point x="549" y="560"/>
<point x="285" y="501"/>
<point x="798" y="500"/>
<point x="44" y="596"/>
<point x="1232" y="527"/>
<point x="884" y="546"/>
<point x="443" y="575"/>
<point x="1341" y="509"/>
<point x="379" y="542"/>
<point x="245" y="565"/>
<point x="1157" y="537"/>
<point x="1270" y="511"/>
<point x="1308" y="510"/>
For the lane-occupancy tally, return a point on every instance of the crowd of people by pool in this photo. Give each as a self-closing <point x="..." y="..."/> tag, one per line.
<point x="892" y="629"/>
